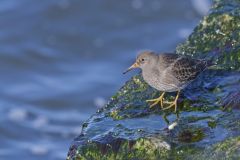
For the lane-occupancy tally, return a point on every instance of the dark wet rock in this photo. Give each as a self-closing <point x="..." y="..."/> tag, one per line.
<point x="126" y="128"/>
<point x="232" y="100"/>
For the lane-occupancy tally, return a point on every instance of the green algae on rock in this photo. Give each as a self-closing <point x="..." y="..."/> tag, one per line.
<point x="141" y="148"/>
<point x="126" y="128"/>
<point x="217" y="32"/>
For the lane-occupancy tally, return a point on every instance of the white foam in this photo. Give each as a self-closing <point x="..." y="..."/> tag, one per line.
<point x="40" y="121"/>
<point x="184" y="32"/>
<point x="99" y="102"/>
<point x="39" y="150"/>
<point x="17" y="114"/>
<point x="77" y="130"/>
<point x="201" y="6"/>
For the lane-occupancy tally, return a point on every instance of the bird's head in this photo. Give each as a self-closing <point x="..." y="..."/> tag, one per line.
<point x="144" y="59"/>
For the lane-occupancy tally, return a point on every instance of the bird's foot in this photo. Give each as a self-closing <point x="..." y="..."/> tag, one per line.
<point x="173" y="104"/>
<point x="156" y="101"/>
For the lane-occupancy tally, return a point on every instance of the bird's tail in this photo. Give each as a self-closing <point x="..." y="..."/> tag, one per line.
<point x="204" y="64"/>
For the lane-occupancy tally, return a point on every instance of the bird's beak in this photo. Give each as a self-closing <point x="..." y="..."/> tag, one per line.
<point x="135" y="65"/>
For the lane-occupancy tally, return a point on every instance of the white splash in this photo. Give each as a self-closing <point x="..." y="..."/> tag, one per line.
<point x="39" y="150"/>
<point x="17" y="114"/>
<point x="201" y="6"/>
<point x="99" y="102"/>
<point x="40" y="121"/>
<point x="184" y="32"/>
<point x="77" y="130"/>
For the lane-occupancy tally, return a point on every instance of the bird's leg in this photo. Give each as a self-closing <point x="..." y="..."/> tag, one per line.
<point x="157" y="100"/>
<point x="174" y="103"/>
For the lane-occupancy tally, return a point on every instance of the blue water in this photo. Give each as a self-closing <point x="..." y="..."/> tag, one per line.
<point x="62" y="59"/>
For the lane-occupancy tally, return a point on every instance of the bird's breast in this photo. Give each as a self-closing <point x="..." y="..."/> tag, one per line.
<point x="159" y="81"/>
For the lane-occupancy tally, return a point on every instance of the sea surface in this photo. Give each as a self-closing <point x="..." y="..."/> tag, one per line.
<point x="63" y="59"/>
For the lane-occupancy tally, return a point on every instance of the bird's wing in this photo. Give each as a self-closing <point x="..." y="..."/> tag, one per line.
<point x="187" y="69"/>
<point x="167" y="59"/>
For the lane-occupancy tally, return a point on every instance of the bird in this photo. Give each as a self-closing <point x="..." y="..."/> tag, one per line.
<point x="168" y="72"/>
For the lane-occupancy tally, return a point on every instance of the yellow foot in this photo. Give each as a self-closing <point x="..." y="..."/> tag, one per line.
<point x="156" y="101"/>
<point x="173" y="104"/>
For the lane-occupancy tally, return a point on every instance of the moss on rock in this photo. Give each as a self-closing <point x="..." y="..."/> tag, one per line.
<point x="217" y="35"/>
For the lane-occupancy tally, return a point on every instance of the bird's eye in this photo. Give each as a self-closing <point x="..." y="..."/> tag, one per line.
<point x="143" y="60"/>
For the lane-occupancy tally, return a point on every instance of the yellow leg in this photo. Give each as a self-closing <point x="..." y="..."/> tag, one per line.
<point x="156" y="101"/>
<point x="174" y="103"/>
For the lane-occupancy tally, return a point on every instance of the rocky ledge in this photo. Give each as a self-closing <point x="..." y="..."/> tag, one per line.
<point x="207" y="125"/>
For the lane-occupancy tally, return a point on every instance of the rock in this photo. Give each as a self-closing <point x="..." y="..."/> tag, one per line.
<point x="218" y="33"/>
<point x="207" y="125"/>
